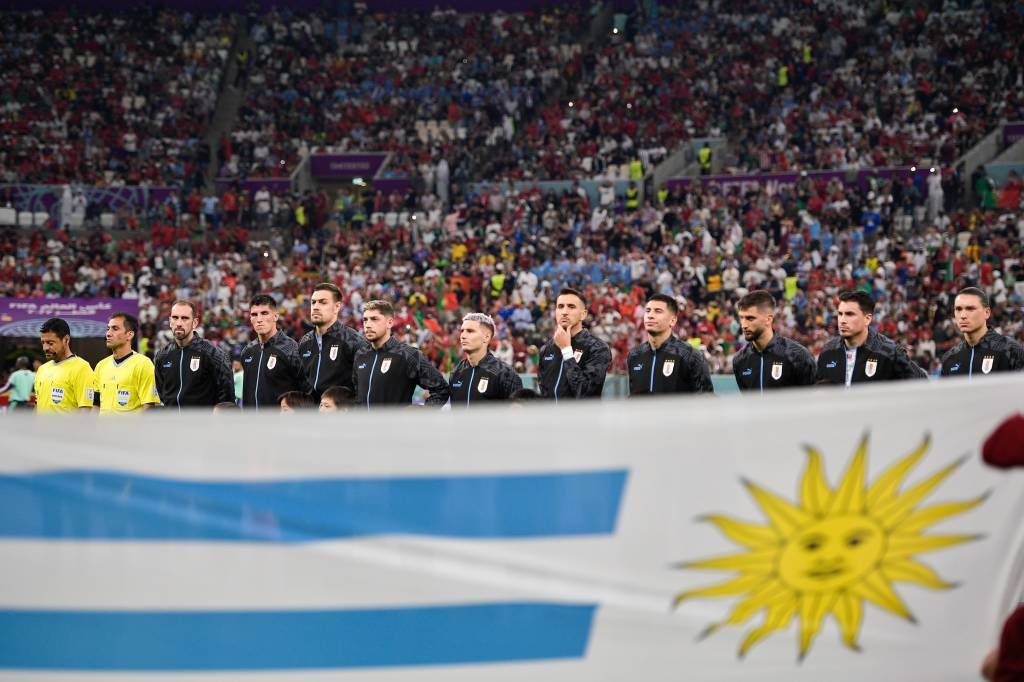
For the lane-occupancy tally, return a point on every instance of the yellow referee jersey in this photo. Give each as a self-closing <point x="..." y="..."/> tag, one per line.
<point x="64" y="386"/>
<point x="127" y="385"/>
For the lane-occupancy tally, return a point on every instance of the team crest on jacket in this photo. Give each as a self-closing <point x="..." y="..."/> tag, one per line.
<point x="577" y="354"/>
<point x="334" y="353"/>
<point x="272" y="362"/>
<point x="668" y="367"/>
<point x="194" y="364"/>
<point x="482" y="384"/>
<point x="870" y="367"/>
<point x="986" y="364"/>
<point x="385" y="365"/>
<point x="776" y="371"/>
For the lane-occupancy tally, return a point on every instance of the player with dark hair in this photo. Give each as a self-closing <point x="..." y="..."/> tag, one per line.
<point x="191" y="371"/>
<point x="860" y="354"/>
<point x="982" y="350"/>
<point x="337" y="399"/>
<point x="328" y="350"/>
<point x="65" y="382"/>
<point x="574" y="363"/>
<point x="295" y="401"/>
<point x="124" y="381"/>
<point x="388" y="372"/>
<point x="768" y="360"/>
<point x="480" y="376"/>
<point x="664" y="363"/>
<point x="270" y="365"/>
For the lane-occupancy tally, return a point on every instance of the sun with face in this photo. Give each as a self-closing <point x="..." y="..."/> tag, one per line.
<point x="832" y="551"/>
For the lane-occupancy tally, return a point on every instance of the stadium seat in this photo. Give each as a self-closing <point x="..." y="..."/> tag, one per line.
<point x="25" y="218"/>
<point x="107" y="221"/>
<point x="39" y="218"/>
<point x="391" y="219"/>
<point x="8" y="217"/>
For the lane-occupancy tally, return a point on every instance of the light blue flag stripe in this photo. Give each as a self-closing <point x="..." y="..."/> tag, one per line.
<point x="111" y="505"/>
<point x="281" y="640"/>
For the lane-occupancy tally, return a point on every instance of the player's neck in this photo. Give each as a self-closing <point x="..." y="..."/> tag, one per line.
<point x="656" y="340"/>
<point x="379" y="343"/>
<point x="185" y="341"/>
<point x="322" y="328"/>
<point x="476" y="356"/>
<point x="573" y="331"/>
<point x="67" y="355"/>
<point x="761" y="342"/>
<point x="266" y="337"/>
<point x="120" y="353"/>
<point x="975" y="337"/>
<point x="856" y="341"/>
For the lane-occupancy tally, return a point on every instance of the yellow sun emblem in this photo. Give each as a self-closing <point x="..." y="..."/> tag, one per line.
<point x="833" y="551"/>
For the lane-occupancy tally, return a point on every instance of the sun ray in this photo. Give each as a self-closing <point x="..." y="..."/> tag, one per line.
<point x="745" y="562"/>
<point x="874" y="588"/>
<point x="813" y="608"/>
<point x="884" y="489"/>
<point x="815" y="495"/>
<point x="928" y="516"/>
<point x="849" y="613"/>
<point x="784" y="516"/>
<point x="777" y="618"/>
<point x="729" y="588"/>
<point x="891" y="513"/>
<point x="754" y="536"/>
<point x="850" y="496"/>
<point x="903" y="546"/>
<point x="910" y="571"/>
<point x="762" y="598"/>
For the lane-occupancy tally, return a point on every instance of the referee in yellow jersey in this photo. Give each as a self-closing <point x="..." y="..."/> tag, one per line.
<point x="64" y="383"/>
<point x="124" y="380"/>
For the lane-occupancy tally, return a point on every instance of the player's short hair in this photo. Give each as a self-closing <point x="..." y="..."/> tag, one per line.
<point x="56" y="325"/>
<point x="670" y="303"/>
<point x="861" y="298"/>
<point x="521" y="394"/>
<point x="569" y="291"/>
<point x="327" y="286"/>
<point x="131" y="324"/>
<point x="340" y="395"/>
<point x="191" y="304"/>
<point x="482" y="319"/>
<point x="975" y="291"/>
<point x="297" y="400"/>
<point x="383" y="307"/>
<point x="262" y="299"/>
<point x="759" y="298"/>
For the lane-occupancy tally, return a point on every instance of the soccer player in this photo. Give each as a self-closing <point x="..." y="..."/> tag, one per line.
<point x="124" y="381"/>
<point x="983" y="350"/>
<point x="271" y="365"/>
<point x="388" y="372"/>
<point x="665" y="363"/>
<point x="65" y="382"/>
<point x="337" y="399"/>
<point x="480" y="375"/>
<point x="768" y="360"/>
<point x="573" y="364"/>
<point x="19" y="384"/>
<point x="327" y="351"/>
<point x="191" y="371"/>
<point x="860" y="354"/>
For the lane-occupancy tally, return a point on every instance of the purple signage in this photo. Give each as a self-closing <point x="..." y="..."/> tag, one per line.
<point x="358" y="165"/>
<point x="86" y="316"/>
<point x="769" y="182"/>
<point x="1013" y="132"/>
<point x="253" y="185"/>
<point x="47" y="198"/>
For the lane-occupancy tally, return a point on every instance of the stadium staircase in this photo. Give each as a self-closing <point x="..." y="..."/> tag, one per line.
<point x="229" y="99"/>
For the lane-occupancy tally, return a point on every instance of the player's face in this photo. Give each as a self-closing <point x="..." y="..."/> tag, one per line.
<point x="569" y="311"/>
<point x="658" y="319"/>
<point x="327" y="405"/>
<point x="182" y="322"/>
<point x="852" y="320"/>
<point x="54" y="347"/>
<point x="970" y="315"/>
<point x="286" y="408"/>
<point x="117" y="334"/>
<point x="474" y="336"/>
<point x="263" y="319"/>
<point x="754" y="322"/>
<point x="323" y="309"/>
<point x="376" y="325"/>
